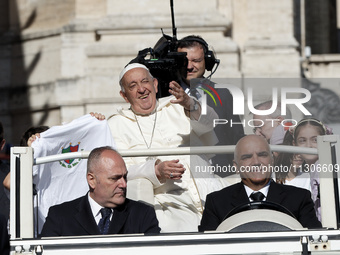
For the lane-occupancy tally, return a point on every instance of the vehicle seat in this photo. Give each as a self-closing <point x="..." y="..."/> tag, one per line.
<point x="140" y="190"/>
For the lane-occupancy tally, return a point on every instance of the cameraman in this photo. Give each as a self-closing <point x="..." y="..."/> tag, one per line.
<point x="195" y="49"/>
<point x="199" y="59"/>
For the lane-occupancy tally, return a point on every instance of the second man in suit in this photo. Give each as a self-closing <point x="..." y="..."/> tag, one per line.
<point x="105" y="209"/>
<point x="253" y="158"/>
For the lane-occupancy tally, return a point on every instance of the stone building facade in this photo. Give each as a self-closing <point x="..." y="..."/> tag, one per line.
<point x="61" y="59"/>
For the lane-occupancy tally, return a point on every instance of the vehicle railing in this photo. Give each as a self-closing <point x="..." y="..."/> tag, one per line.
<point x="220" y="149"/>
<point x="22" y="161"/>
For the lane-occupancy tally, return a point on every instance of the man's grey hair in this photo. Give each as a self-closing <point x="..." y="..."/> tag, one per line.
<point x="268" y="104"/>
<point x="121" y="85"/>
<point x="94" y="158"/>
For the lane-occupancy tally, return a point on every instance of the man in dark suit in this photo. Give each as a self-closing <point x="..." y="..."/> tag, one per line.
<point x="252" y="159"/>
<point x="105" y="209"/>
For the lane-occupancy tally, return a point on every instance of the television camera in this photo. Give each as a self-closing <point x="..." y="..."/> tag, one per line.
<point x="166" y="64"/>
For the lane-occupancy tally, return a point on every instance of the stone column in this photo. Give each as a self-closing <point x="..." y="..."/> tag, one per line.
<point x="263" y="30"/>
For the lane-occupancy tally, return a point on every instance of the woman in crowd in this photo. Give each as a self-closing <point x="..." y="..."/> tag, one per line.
<point x="291" y="167"/>
<point x="305" y="134"/>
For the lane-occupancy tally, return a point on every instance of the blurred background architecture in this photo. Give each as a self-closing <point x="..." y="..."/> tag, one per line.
<point x="61" y="59"/>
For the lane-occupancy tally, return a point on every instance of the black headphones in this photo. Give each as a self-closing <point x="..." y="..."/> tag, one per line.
<point x="209" y="56"/>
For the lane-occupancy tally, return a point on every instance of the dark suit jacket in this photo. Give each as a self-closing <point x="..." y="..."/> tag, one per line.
<point x="226" y="134"/>
<point x="75" y="218"/>
<point x="218" y="204"/>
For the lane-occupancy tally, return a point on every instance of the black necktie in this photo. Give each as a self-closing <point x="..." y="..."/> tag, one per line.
<point x="104" y="222"/>
<point x="257" y="196"/>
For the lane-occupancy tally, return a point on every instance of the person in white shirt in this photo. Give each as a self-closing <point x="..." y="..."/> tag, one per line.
<point x="289" y="167"/>
<point x="61" y="181"/>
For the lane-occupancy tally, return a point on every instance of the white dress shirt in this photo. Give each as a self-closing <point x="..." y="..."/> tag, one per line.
<point x="95" y="208"/>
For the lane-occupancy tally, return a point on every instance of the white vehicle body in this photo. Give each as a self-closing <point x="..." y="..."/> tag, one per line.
<point x="301" y="241"/>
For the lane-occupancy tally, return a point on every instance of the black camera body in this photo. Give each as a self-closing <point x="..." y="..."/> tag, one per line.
<point x="164" y="62"/>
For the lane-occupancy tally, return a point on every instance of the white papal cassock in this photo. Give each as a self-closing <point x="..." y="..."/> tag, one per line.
<point x="178" y="204"/>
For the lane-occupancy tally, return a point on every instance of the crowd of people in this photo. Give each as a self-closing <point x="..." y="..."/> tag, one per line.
<point x="185" y="200"/>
